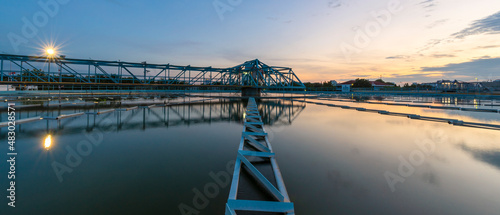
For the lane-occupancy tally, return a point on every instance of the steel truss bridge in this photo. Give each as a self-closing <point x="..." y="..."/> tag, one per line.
<point x="77" y="74"/>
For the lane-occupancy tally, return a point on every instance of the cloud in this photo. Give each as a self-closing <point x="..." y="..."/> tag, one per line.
<point x="426" y="2"/>
<point x="278" y="19"/>
<point x="336" y="3"/>
<point x="360" y="76"/>
<point x="428" y="5"/>
<point x="488" y="25"/>
<point x="482" y="67"/>
<point x="432" y="43"/>
<point x="420" y="76"/>
<point x="442" y="55"/>
<point x="436" y="23"/>
<point x="398" y="57"/>
<point x="490" y="157"/>
<point x="488" y="47"/>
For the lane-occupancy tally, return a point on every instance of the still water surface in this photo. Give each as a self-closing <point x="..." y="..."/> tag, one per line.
<point x="333" y="161"/>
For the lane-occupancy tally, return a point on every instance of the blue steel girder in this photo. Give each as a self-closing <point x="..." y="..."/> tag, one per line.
<point x="26" y="70"/>
<point x="200" y="75"/>
<point x="215" y="79"/>
<point x="9" y="77"/>
<point x="153" y="78"/>
<point x="272" y="77"/>
<point x="251" y="73"/>
<point x="105" y="73"/>
<point x="254" y="135"/>
<point x="20" y="66"/>
<point x="73" y="72"/>
<point x="132" y="74"/>
<point x="178" y="76"/>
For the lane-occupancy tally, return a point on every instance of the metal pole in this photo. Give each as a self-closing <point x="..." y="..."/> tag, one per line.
<point x="1" y="70"/>
<point x="118" y="73"/>
<point x="21" y="72"/>
<point x="49" y="70"/>
<point x="60" y="74"/>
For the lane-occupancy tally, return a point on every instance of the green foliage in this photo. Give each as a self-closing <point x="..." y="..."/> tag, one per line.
<point x="361" y="83"/>
<point x="392" y="88"/>
<point x="413" y="86"/>
<point x="319" y="86"/>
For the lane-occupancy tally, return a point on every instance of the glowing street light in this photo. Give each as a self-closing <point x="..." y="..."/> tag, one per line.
<point x="50" y="51"/>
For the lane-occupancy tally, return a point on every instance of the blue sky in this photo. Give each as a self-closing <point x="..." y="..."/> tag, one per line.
<point x="400" y="40"/>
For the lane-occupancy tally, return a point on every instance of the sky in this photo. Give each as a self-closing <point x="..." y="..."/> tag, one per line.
<point x="397" y="40"/>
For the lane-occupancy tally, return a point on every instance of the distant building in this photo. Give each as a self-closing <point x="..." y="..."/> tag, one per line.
<point x="346" y="88"/>
<point x="377" y="85"/>
<point x="334" y="83"/>
<point x="348" y="82"/>
<point x="490" y="86"/>
<point x="7" y="88"/>
<point x="453" y="86"/>
<point x="30" y="87"/>
<point x="460" y="86"/>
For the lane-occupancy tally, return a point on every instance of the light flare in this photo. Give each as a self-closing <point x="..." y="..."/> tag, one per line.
<point x="50" y="51"/>
<point x="48" y="141"/>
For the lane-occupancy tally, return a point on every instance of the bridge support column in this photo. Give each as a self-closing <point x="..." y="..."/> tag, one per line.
<point x="250" y="92"/>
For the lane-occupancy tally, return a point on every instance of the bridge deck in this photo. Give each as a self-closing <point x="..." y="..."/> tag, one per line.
<point x="257" y="186"/>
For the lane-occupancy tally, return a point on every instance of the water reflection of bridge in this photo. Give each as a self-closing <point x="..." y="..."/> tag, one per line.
<point x="274" y="112"/>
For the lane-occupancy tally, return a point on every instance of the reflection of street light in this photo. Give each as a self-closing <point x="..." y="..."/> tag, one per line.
<point x="477" y="85"/>
<point x="48" y="141"/>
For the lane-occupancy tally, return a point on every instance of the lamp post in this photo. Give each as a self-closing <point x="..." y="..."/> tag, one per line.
<point x="50" y="53"/>
<point x="60" y="74"/>
<point x="49" y="72"/>
<point x="145" y="70"/>
<point x="477" y="86"/>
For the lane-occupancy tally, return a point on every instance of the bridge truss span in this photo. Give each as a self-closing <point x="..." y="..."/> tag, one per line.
<point x="42" y="70"/>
